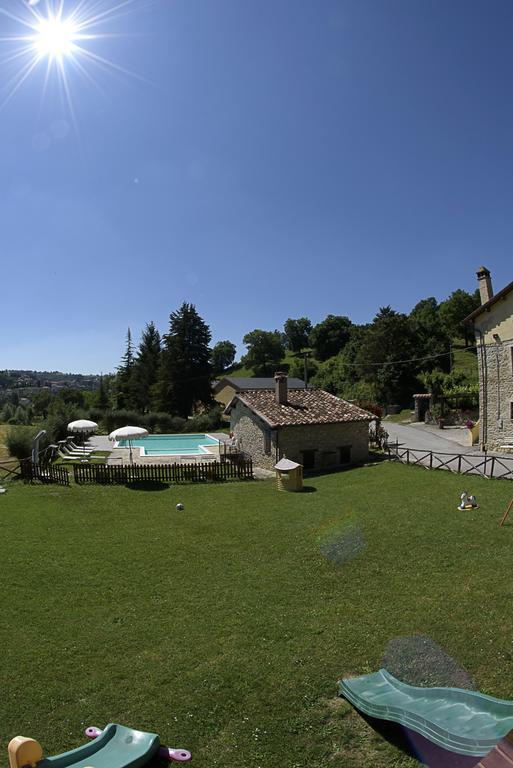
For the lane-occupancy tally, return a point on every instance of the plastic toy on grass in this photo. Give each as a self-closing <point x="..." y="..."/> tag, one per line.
<point x="459" y="722"/>
<point x="167" y="753"/>
<point x="114" y="747"/>
<point x="467" y="502"/>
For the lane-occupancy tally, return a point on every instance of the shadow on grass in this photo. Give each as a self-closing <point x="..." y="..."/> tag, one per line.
<point x="147" y="485"/>
<point x="373" y="460"/>
<point x="309" y="489"/>
<point x="413" y="744"/>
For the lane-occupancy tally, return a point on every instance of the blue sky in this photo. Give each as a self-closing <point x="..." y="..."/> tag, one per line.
<point x="272" y="159"/>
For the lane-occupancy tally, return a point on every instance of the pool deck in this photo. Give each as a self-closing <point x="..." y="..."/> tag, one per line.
<point x="119" y="456"/>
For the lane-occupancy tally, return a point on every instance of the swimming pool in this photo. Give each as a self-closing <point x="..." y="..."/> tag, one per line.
<point x="172" y="445"/>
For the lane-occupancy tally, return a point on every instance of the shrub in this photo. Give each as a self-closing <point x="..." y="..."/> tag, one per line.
<point x="205" y="422"/>
<point x="122" y="418"/>
<point x="22" y="415"/>
<point x="19" y="442"/>
<point x="7" y="412"/>
<point x="377" y="410"/>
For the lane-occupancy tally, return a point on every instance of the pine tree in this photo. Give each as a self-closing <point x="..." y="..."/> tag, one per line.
<point x="124" y="382"/>
<point x="186" y="370"/>
<point x="101" y="399"/>
<point x="146" y="367"/>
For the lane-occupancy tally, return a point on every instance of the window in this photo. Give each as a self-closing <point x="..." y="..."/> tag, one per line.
<point x="511" y="410"/>
<point x="308" y="459"/>
<point x="511" y="358"/>
<point x="345" y="454"/>
<point x="267" y="442"/>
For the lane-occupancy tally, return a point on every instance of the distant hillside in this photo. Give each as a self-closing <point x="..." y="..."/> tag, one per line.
<point x="20" y="379"/>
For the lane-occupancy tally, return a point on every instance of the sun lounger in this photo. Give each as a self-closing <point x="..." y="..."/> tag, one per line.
<point x="75" y="447"/>
<point x="64" y="447"/>
<point x="67" y="457"/>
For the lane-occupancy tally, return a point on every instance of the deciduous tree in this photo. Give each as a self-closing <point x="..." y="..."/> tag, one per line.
<point x="329" y="337"/>
<point x="265" y="351"/>
<point x="223" y="355"/>
<point x="297" y="333"/>
<point x="453" y="311"/>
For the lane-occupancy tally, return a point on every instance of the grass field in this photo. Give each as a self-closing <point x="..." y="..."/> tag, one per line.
<point x="4" y="453"/>
<point x="224" y="628"/>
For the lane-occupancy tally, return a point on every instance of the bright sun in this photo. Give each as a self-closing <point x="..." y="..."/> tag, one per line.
<point x="64" y="43"/>
<point x="55" y="37"/>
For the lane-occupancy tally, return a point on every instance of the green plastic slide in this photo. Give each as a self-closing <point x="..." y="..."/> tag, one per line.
<point x="461" y="721"/>
<point x="116" y="747"/>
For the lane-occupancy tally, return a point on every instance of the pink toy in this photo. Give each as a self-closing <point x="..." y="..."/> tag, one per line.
<point x="167" y="753"/>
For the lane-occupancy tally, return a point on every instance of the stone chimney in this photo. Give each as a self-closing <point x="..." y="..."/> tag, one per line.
<point x="280" y="387"/>
<point x="484" y="282"/>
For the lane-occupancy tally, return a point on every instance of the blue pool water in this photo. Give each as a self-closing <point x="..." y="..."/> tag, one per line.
<point x="171" y="445"/>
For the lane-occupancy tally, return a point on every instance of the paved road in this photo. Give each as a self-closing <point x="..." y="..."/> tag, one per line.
<point x="444" y="444"/>
<point x="429" y="438"/>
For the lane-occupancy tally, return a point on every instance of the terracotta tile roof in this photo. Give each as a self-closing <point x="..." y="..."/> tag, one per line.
<point x="250" y="382"/>
<point x="304" y="406"/>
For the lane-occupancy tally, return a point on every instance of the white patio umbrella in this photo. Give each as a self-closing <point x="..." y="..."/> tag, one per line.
<point x="128" y="433"/>
<point x="82" y="427"/>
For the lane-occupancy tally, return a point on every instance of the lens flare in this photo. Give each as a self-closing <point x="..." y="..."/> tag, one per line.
<point x="65" y="41"/>
<point x="55" y="37"/>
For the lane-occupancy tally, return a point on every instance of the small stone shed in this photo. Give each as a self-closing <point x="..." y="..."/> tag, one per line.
<point x="309" y="426"/>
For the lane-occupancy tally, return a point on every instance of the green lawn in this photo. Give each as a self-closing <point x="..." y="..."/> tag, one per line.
<point x="224" y="628"/>
<point x="403" y="417"/>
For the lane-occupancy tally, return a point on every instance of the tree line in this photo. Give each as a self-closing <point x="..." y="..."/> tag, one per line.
<point x="383" y="361"/>
<point x="170" y="376"/>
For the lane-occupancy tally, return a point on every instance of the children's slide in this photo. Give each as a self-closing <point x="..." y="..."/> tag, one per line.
<point x="460" y="721"/>
<point x="115" y="747"/>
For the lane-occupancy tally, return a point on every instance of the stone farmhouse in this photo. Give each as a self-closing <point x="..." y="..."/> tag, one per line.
<point x="226" y="388"/>
<point x="309" y="426"/>
<point x="493" y="327"/>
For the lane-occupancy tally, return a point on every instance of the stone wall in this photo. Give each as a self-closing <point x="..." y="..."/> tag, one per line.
<point x="494" y="340"/>
<point x="267" y="446"/>
<point x="250" y="433"/>
<point x="495" y="363"/>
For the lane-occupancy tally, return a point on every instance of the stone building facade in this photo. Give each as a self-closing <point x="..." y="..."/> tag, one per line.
<point x="493" y="327"/>
<point x="311" y="427"/>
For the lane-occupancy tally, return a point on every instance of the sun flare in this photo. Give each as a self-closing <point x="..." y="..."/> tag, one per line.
<point x="55" y="37"/>
<point x="66" y="43"/>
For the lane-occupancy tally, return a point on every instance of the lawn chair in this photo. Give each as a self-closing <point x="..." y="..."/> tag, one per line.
<point x="63" y="445"/>
<point x="72" y="457"/>
<point x="75" y="447"/>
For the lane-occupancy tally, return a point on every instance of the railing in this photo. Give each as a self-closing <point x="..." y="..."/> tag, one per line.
<point x="211" y="471"/>
<point x="461" y="463"/>
<point x="44" y="473"/>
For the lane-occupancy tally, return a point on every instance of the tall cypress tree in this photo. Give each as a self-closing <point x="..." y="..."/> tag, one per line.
<point x="186" y="370"/>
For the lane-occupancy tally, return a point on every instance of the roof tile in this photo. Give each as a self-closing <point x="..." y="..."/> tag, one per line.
<point x="307" y="406"/>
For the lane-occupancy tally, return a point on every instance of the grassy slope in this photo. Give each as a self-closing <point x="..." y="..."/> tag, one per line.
<point x="223" y="628"/>
<point x="4" y="453"/>
<point x="242" y="372"/>
<point x="465" y="361"/>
